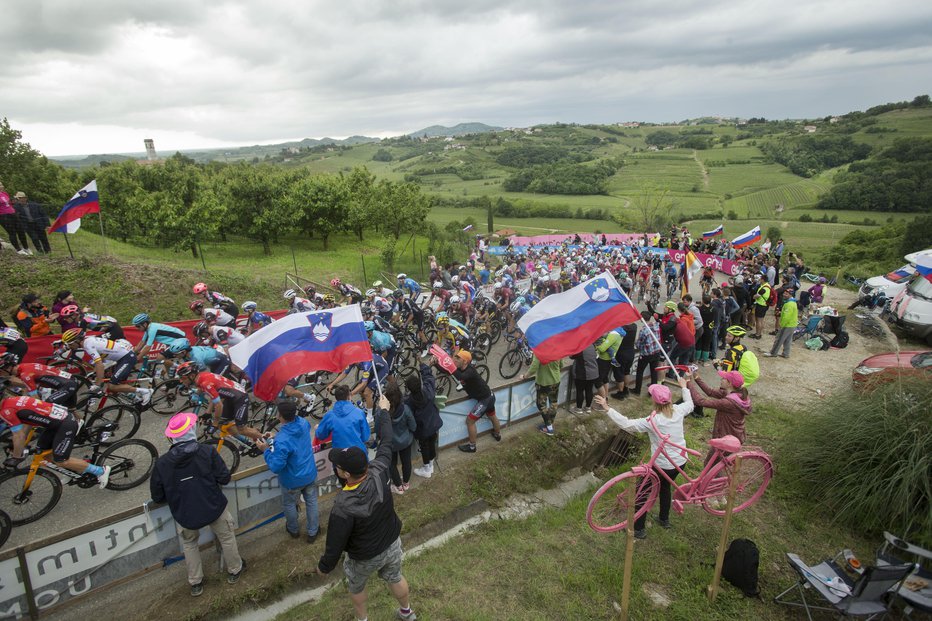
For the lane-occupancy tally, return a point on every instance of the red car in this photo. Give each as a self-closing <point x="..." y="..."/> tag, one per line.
<point x="888" y="367"/>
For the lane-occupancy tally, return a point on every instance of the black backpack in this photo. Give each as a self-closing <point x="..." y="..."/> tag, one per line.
<point x="840" y="341"/>
<point x="740" y="566"/>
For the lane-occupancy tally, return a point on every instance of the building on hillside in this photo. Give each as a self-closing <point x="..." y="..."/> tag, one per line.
<point x="150" y="149"/>
<point x="810" y="129"/>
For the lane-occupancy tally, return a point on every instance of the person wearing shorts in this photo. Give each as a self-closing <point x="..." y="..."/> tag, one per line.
<point x="59" y="428"/>
<point x="62" y="386"/>
<point x="101" y="350"/>
<point x="228" y="401"/>
<point x="476" y="388"/>
<point x="363" y="523"/>
<point x="13" y="342"/>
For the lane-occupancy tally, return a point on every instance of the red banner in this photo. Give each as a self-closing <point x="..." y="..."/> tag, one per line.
<point x="719" y="264"/>
<point x="41" y="346"/>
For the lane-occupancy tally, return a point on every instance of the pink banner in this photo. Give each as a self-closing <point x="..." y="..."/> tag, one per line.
<point x="586" y="237"/>
<point x="717" y="263"/>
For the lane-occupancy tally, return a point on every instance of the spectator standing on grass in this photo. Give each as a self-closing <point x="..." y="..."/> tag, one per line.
<point x="363" y="523"/>
<point x="586" y="374"/>
<point x="422" y="390"/>
<point x="547" y="383"/>
<point x="650" y="351"/>
<point x="290" y="455"/>
<point x="403" y="427"/>
<point x="760" y="303"/>
<point x="730" y="400"/>
<point x="789" y="318"/>
<point x="9" y="219"/>
<point x="35" y="222"/>
<point x="668" y="419"/>
<point x="188" y="477"/>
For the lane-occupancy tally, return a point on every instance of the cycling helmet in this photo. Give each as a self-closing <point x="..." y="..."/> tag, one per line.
<point x="455" y="299"/>
<point x="515" y="306"/>
<point x="438" y="285"/>
<point x="455" y="280"/>
<point x="497" y="285"/>
<point x="8" y="360"/>
<point x="199" y="288"/>
<point x="398" y="294"/>
<point x="366" y="308"/>
<point x="68" y="311"/>
<point x="401" y="276"/>
<point x="200" y="328"/>
<point x="370" y="293"/>
<point x="71" y="336"/>
<point x="443" y="321"/>
<point x="196" y="306"/>
<point x="310" y="290"/>
<point x="369" y="326"/>
<point x="186" y="369"/>
<point x="178" y="347"/>
<point x="291" y="294"/>
<point x="521" y="300"/>
<point x="377" y="284"/>
<point x="335" y="282"/>
<point x="140" y="319"/>
<point x="328" y="299"/>
<point x="738" y="331"/>
<point x="248" y="307"/>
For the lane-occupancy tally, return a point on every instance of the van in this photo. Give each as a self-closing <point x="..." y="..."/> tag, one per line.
<point x="911" y="309"/>
<point x="894" y="282"/>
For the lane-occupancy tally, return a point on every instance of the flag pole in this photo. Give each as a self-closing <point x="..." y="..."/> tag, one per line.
<point x="100" y="219"/>
<point x="67" y="243"/>
<point x="644" y="323"/>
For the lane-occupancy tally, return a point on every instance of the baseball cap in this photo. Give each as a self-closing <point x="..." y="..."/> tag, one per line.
<point x="464" y="355"/>
<point x="19" y="195"/>
<point x="734" y="378"/>
<point x="659" y="393"/>
<point x="352" y="459"/>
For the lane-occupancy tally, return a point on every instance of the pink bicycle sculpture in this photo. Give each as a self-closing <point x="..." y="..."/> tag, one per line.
<point x="608" y="509"/>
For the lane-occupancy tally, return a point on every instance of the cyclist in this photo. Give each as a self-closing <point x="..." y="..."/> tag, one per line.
<point x="503" y="295"/>
<point x="13" y="342"/>
<point x="351" y="293"/>
<point x="382" y="343"/>
<point x="297" y="304"/>
<point x="222" y="336"/>
<point x="59" y="428"/>
<point x="124" y="359"/>
<point x="228" y="400"/>
<point x="379" y="304"/>
<point x="328" y="302"/>
<point x="643" y="274"/>
<point x="672" y="280"/>
<point x="437" y="291"/>
<point x="219" y="317"/>
<point x="708" y="279"/>
<point x="216" y="299"/>
<point x="369" y="379"/>
<point x="410" y="285"/>
<point x="462" y="308"/>
<point x="311" y="292"/>
<point x="655" y="282"/>
<point x="205" y="358"/>
<point x="30" y="377"/>
<point x="152" y="333"/>
<point x="410" y="313"/>
<point x="254" y="319"/>
<point x="107" y="326"/>
<point x="451" y="334"/>
<point x="738" y="357"/>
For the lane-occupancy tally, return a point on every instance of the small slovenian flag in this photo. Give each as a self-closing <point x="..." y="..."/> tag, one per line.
<point x="751" y="237"/>
<point x="904" y="272"/>
<point x="566" y="323"/>
<point x="328" y="340"/>
<point x="924" y="267"/>
<point x="84" y="201"/>
<point x="719" y="230"/>
<point x="467" y="228"/>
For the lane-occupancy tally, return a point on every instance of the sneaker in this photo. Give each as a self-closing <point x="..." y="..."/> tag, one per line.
<point x="424" y="472"/>
<point x="104" y="478"/>
<point x="576" y="410"/>
<point x="397" y="490"/>
<point x="619" y="395"/>
<point x="497" y="436"/>
<point x="197" y="589"/>
<point x="640" y="534"/>
<point x="22" y="252"/>
<point x="543" y="429"/>
<point x="405" y="487"/>
<point x="588" y="410"/>
<point x="767" y="354"/>
<point x="784" y="356"/>
<point x="313" y="538"/>
<point x="145" y="396"/>
<point x="234" y="578"/>
<point x="664" y="523"/>
<point x="291" y="534"/>
<point x="406" y="617"/>
<point x="467" y="448"/>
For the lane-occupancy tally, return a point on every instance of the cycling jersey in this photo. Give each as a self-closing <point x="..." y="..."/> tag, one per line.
<point x="354" y="294"/>
<point x="411" y="286"/>
<point x="408" y="307"/>
<point x="301" y="305"/>
<point x="381" y="341"/>
<point x="221" y="318"/>
<point x="209" y="359"/>
<point x="28" y="411"/>
<point x="97" y="348"/>
<point x="102" y="323"/>
<point x="218" y="387"/>
<point x="35" y="375"/>
<point x="381" y="305"/>
<point x="8" y="336"/>
<point x="226" y="335"/>
<point x="366" y="374"/>
<point x="259" y="320"/>
<point x="469" y="290"/>
<point x="161" y="333"/>
<point x="215" y="297"/>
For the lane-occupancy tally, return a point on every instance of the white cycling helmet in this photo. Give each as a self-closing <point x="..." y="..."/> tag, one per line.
<point x="370" y="293"/>
<point x="291" y="294"/>
<point x="438" y="285"/>
<point x="401" y="276"/>
<point x="455" y="299"/>
<point x="515" y="306"/>
<point x="455" y="280"/>
<point x="497" y="285"/>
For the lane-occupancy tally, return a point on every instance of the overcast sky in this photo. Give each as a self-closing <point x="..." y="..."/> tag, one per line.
<point x="99" y="76"/>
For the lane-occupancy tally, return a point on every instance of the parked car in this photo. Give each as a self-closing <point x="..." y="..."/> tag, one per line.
<point x="883" y="368"/>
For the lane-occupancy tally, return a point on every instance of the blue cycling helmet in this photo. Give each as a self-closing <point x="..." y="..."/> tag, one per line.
<point x="369" y="326"/>
<point x="141" y="318"/>
<point x="179" y="347"/>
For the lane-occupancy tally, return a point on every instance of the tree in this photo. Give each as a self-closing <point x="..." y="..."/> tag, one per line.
<point x="254" y="197"/>
<point x="322" y="203"/>
<point x="361" y="209"/>
<point x="402" y="207"/>
<point x="120" y="189"/>
<point x="653" y="207"/>
<point x="773" y="234"/>
<point x="23" y="169"/>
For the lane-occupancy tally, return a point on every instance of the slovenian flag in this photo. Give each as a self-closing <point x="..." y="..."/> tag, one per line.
<point x="328" y="340"/>
<point x="719" y="230"/>
<point x="566" y="323"/>
<point x="84" y="201"/>
<point x="904" y="272"/>
<point x="751" y="237"/>
<point x="924" y="267"/>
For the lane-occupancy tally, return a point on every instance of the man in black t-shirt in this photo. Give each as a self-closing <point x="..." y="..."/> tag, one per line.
<point x="476" y="388"/>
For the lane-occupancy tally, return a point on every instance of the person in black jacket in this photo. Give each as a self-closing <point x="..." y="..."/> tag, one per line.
<point x="188" y="477"/>
<point x="363" y="523"/>
<point x="422" y="389"/>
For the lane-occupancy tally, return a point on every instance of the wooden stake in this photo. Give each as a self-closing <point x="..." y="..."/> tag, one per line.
<point x="629" y="555"/>
<point x="720" y="558"/>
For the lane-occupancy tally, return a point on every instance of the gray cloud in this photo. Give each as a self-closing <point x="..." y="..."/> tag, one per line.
<point x="247" y="71"/>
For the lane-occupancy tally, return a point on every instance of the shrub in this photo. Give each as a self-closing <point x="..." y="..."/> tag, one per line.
<point x="732" y="214"/>
<point x="867" y="458"/>
<point x="805" y="218"/>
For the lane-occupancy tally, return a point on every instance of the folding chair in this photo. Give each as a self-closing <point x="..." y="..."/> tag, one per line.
<point x="914" y="593"/>
<point x="848" y="598"/>
<point x="809" y="329"/>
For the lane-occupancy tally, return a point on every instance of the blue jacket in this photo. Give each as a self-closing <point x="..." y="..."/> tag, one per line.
<point x="291" y="456"/>
<point x="348" y="425"/>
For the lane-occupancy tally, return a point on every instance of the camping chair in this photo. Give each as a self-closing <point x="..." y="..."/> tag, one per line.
<point x="808" y="330"/>
<point x="914" y="593"/>
<point x="864" y="597"/>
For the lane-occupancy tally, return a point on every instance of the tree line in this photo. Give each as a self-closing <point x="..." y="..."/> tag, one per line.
<point x="807" y="156"/>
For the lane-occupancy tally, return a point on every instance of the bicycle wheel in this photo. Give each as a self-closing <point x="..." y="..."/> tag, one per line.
<point x="122" y="421"/>
<point x="756" y="471"/>
<point x="319" y="404"/>
<point x="167" y="397"/>
<point x="510" y="364"/>
<point x="495" y="331"/>
<point x="483" y="371"/>
<point x="228" y="454"/>
<point x="6" y="527"/>
<point x="6" y="443"/>
<point x="608" y="510"/>
<point x="25" y="506"/>
<point x="131" y="463"/>
<point x="444" y="384"/>
<point x="483" y="343"/>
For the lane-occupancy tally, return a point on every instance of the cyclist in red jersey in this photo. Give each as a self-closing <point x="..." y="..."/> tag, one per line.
<point x="228" y="399"/>
<point x="59" y="428"/>
<point x="30" y="377"/>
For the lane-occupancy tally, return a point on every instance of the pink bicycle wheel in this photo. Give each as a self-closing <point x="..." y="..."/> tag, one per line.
<point x="755" y="475"/>
<point x="608" y="510"/>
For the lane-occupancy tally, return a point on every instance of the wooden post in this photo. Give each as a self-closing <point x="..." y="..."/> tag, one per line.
<point x="723" y="543"/>
<point x="629" y="554"/>
<point x="365" y="278"/>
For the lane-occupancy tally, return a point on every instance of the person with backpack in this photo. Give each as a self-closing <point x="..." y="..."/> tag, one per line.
<point x="789" y="318"/>
<point x="738" y="357"/>
<point x="762" y="299"/>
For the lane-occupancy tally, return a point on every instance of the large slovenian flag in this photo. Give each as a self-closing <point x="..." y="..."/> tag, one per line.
<point x="566" y="323"/>
<point x="328" y="340"/>
<point x="719" y="230"/>
<point x="84" y="201"/>
<point x="747" y="239"/>
<point x="924" y="267"/>
<point x="904" y="272"/>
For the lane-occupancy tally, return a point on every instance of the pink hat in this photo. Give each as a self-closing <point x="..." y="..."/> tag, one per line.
<point x="734" y="378"/>
<point x="181" y="425"/>
<point x="659" y="393"/>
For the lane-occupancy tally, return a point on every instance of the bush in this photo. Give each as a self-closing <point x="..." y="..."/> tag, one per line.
<point x="732" y="214"/>
<point x="867" y="458"/>
<point x="805" y="218"/>
<point x="388" y="254"/>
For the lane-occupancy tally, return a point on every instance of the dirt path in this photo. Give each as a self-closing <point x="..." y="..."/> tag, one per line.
<point x="703" y="169"/>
